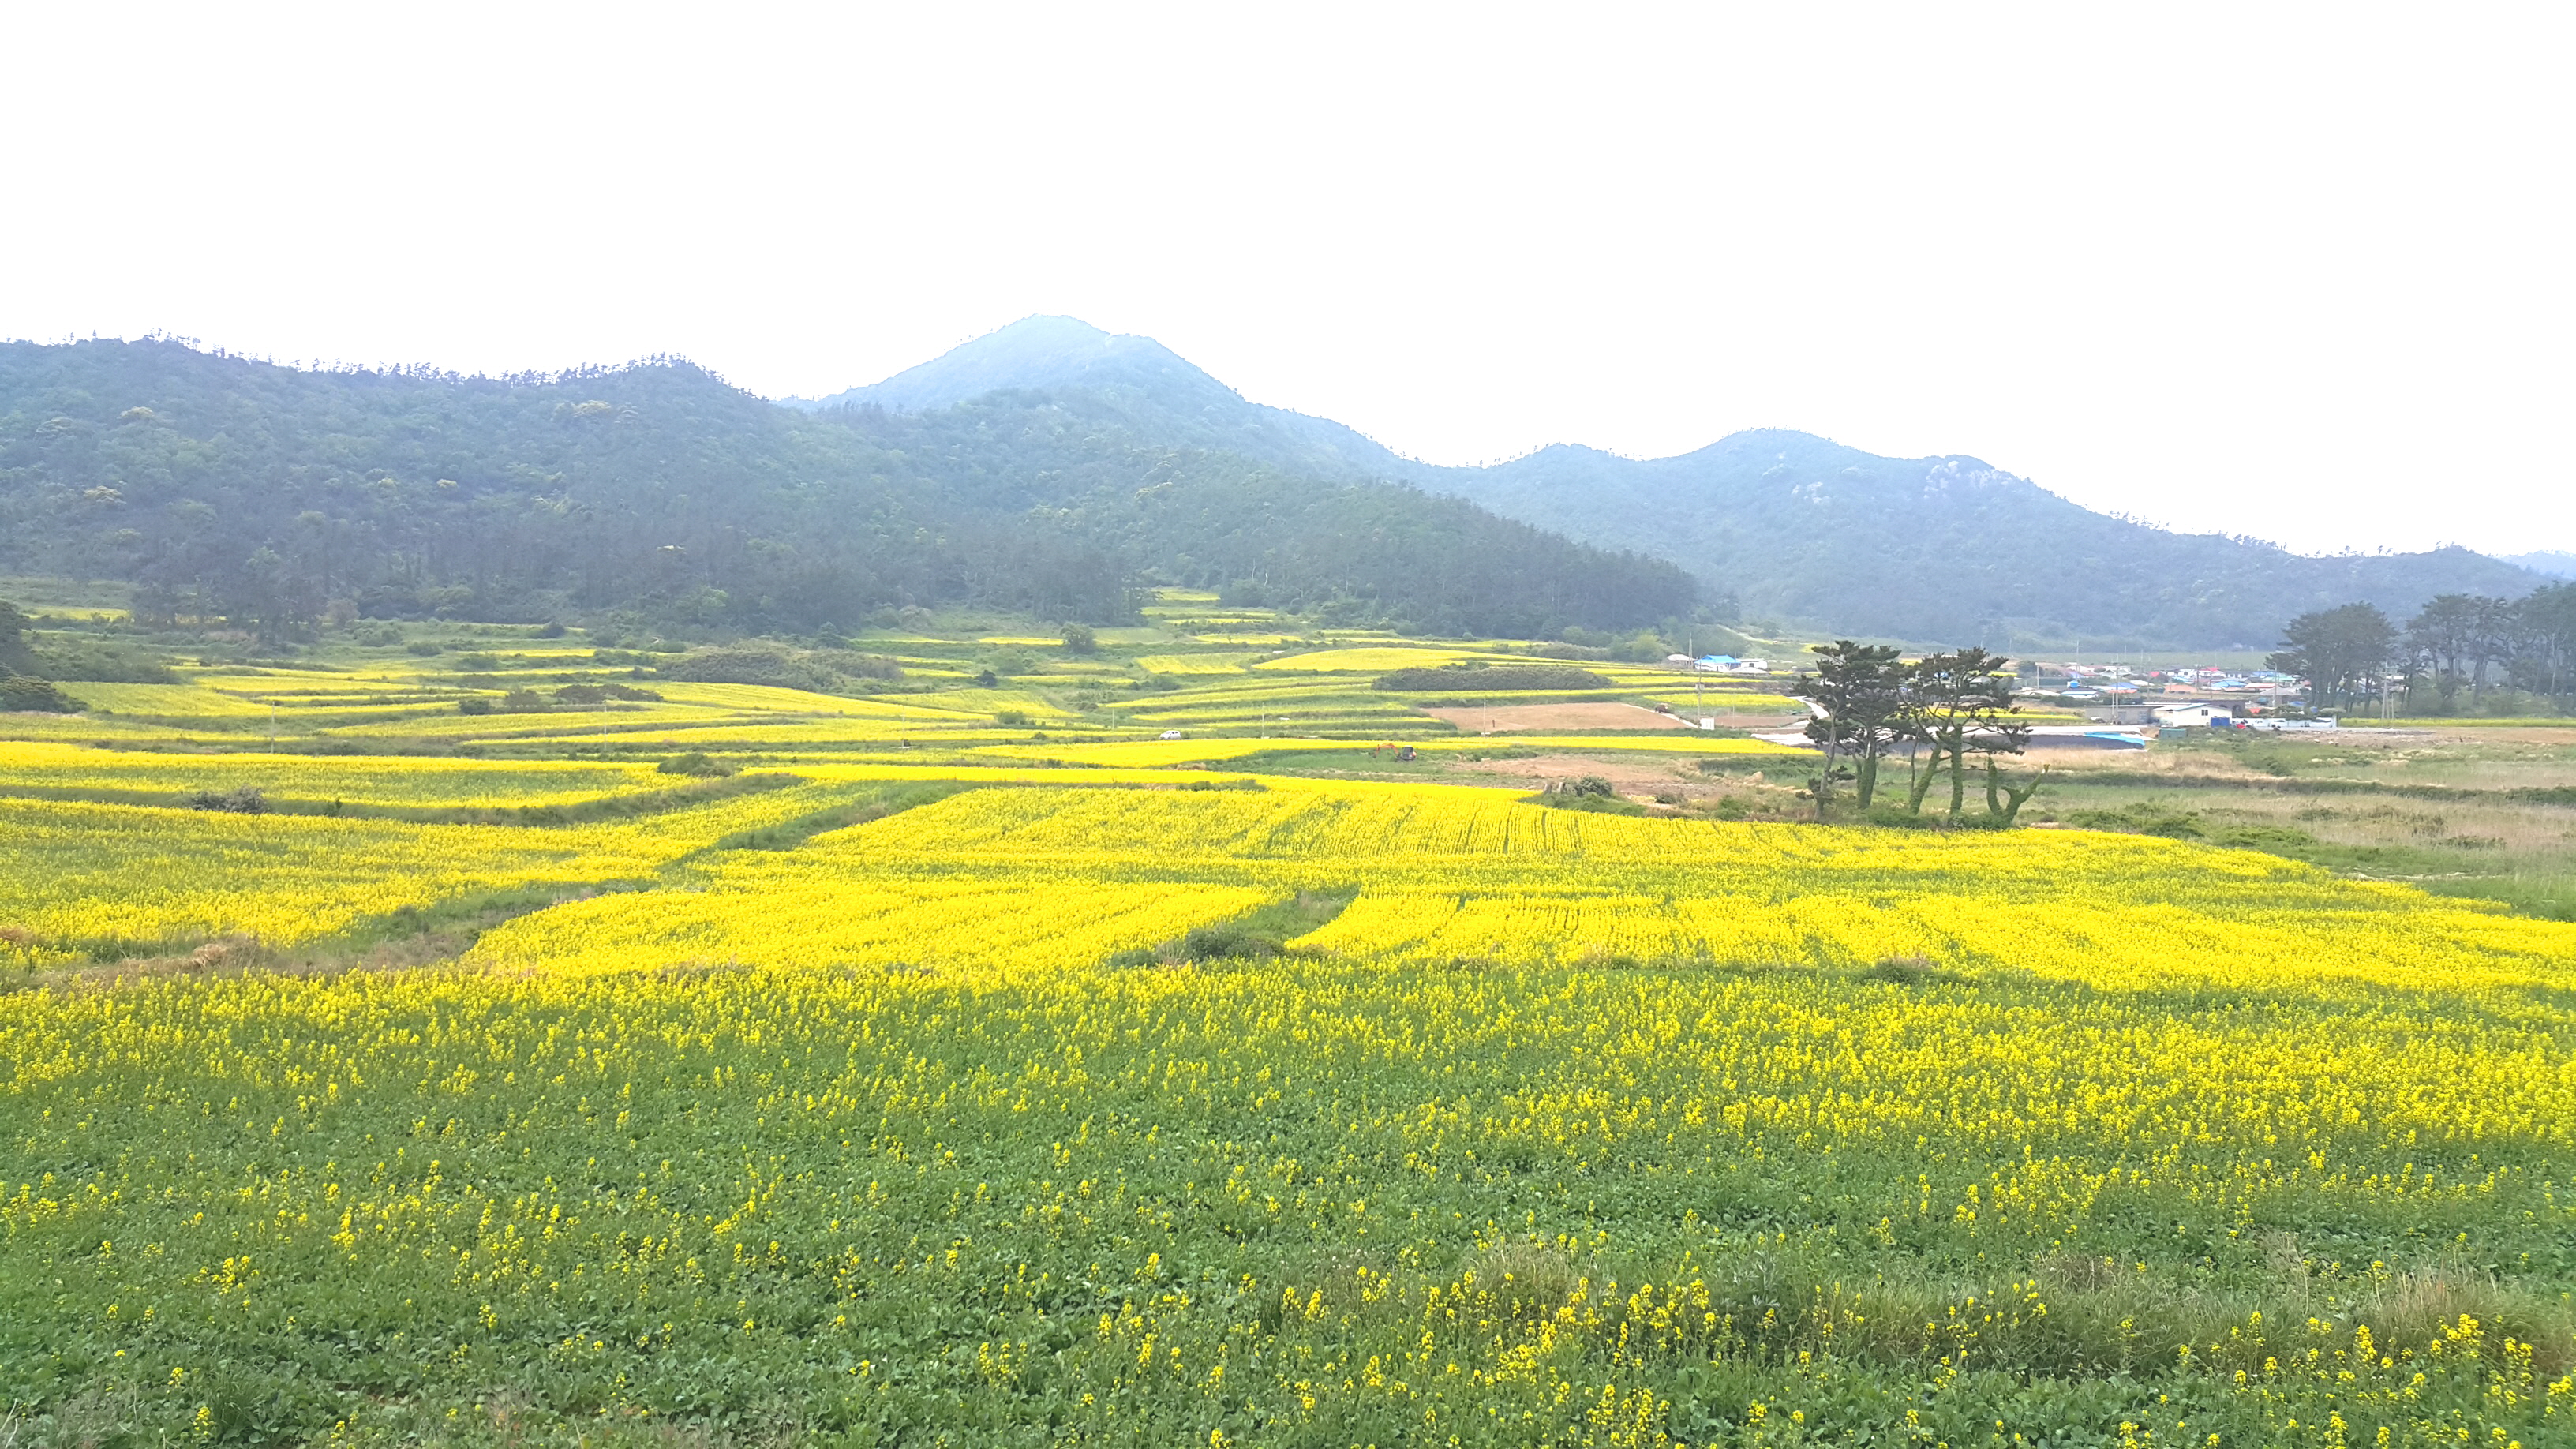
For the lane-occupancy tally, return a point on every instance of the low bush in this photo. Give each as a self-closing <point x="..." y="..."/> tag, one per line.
<point x="694" y="763"/>
<point x="245" y="801"/>
<point x="101" y="664"/>
<point x="851" y="663"/>
<point x="589" y="694"/>
<point x="26" y="694"/>
<point x="1589" y="793"/>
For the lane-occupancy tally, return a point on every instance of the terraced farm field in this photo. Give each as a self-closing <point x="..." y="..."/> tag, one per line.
<point x="1022" y="1077"/>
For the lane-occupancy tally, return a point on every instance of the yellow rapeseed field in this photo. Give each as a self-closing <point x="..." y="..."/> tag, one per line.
<point x="994" y="1120"/>
<point x="1369" y="659"/>
<point x="60" y="767"/>
<point x="1444" y="873"/>
<point x="81" y="880"/>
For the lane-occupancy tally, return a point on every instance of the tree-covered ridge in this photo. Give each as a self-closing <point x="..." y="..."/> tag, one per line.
<point x="1947" y="548"/>
<point x="1794" y="527"/>
<point x="264" y="495"/>
<point x="1212" y="519"/>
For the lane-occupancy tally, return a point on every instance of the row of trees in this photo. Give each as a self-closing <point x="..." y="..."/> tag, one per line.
<point x="1869" y="700"/>
<point x="2352" y="653"/>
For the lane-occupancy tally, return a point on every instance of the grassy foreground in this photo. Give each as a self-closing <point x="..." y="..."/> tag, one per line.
<point x="1285" y="1204"/>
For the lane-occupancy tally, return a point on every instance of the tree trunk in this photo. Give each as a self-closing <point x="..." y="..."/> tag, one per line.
<point x="1923" y="779"/>
<point x="2013" y="797"/>
<point x="1825" y="781"/>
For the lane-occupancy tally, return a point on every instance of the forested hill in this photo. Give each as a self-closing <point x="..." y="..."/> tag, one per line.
<point x="1935" y="549"/>
<point x="262" y="494"/>
<point x="1793" y="527"/>
<point x="1134" y="382"/>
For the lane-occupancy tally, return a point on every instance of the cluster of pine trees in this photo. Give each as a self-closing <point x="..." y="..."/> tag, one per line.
<point x="2356" y="653"/>
<point x="1869" y="700"/>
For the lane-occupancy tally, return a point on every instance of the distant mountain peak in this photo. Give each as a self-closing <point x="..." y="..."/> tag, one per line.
<point x="2557" y="563"/>
<point x="1051" y="325"/>
<point x="1038" y="353"/>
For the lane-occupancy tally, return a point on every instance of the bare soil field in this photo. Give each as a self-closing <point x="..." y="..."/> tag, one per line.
<point x="1584" y="715"/>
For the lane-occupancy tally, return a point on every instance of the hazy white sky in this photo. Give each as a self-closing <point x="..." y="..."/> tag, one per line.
<point x="2296" y="272"/>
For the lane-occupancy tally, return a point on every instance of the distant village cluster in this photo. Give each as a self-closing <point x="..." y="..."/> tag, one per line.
<point x="1721" y="664"/>
<point x="2182" y="698"/>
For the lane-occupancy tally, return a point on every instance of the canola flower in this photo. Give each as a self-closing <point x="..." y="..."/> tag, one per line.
<point x="1568" y="1129"/>
<point x="763" y="730"/>
<point x="444" y="723"/>
<point x="1307" y="1203"/>
<point x="62" y="767"/>
<point x="977" y="706"/>
<point x="1195" y="663"/>
<point x="1445" y="873"/>
<point x="1235" y="747"/>
<point x="1148" y="753"/>
<point x="773" y="699"/>
<point x="184" y="701"/>
<point x="82" y="880"/>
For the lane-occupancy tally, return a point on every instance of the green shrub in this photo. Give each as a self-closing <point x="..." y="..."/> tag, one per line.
<point x="26" y="694"/>
<point x="101" y="664"/>
<point x="855" y="665"/>
<point x="1589" y="793"/>
<point x="695" y="764"/>
<point x="1227" y="940"/>
<point x="245" y="801"/>
<point x="586" y="694"/>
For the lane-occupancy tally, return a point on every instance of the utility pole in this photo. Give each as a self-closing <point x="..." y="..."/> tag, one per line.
<point x="1699" y="686"/>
